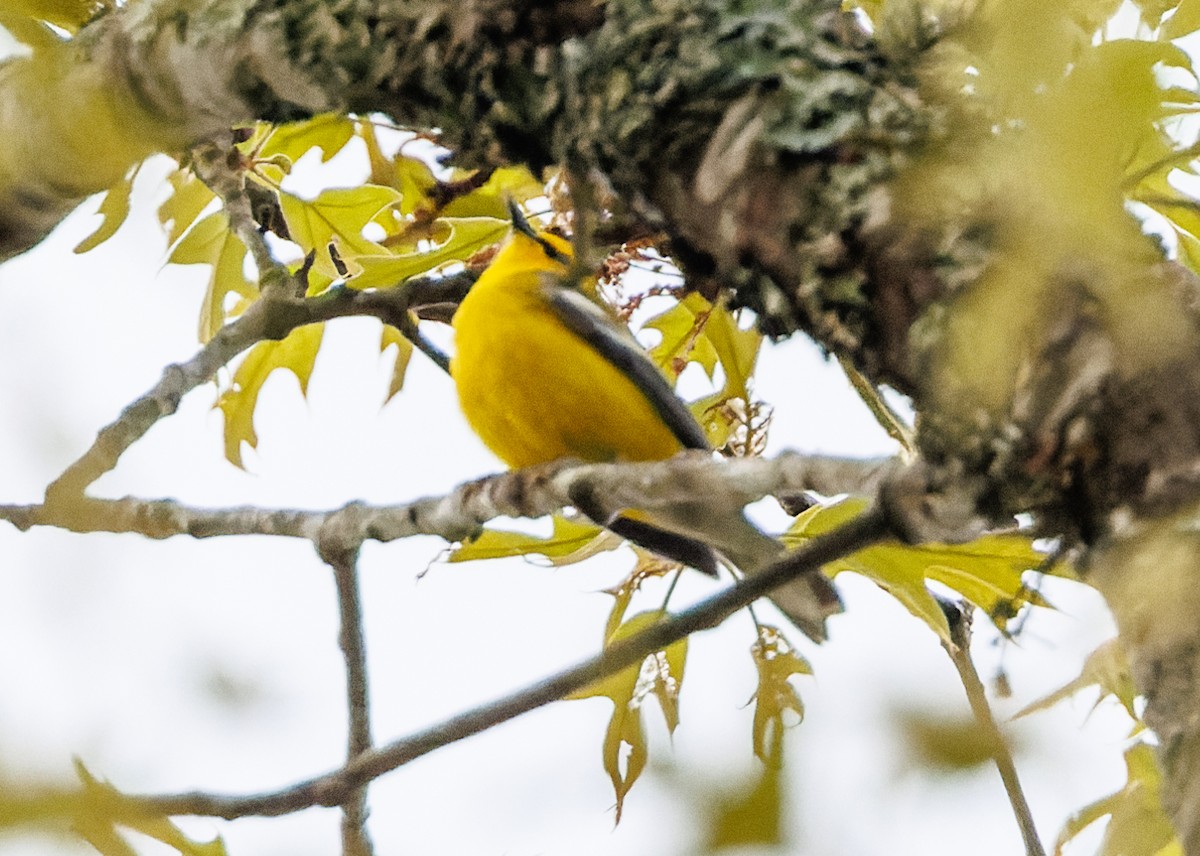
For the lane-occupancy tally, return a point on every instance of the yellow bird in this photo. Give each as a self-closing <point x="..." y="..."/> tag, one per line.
<point x="543" y="373"/>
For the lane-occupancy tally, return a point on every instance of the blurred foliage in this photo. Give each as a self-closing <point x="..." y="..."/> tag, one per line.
<point x="752" y="816"/>
<point x="1137" y="825"/>
<point x="99" y="814"/>
<point x="27" y="19"/>
<point x="1055" y="123"/>
<point x="1105" y="668"/>
<point x="943" y="742"/>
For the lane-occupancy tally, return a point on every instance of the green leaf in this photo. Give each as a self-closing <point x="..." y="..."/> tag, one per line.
<point x="736" y="350"/>
<point x="775" y="699"/>
<point x="1185" y="21"/>
<point x="328" y="132"/>
<point x="296" y="354"/>
<point x="648" y="565"/>
<point x="1137" y="825"/>
<point x="404" y="350"/>
<point x="463" y="238"/>
<point x="69" y="15"/>
<point x="114" y="208"/>
<point x="414" y="180"/>
<point x="945" y="742"/>
<point x="750" y="817"/>
<point x="336" y="217"/>
<point x="1189" y="249"/>
<point x="189" y="196"/>
<point x="681" y="341"/>
<point x="104" y="810"/>
<point x="694" y="330"/>
<point x="491" y="198"/>
<point x="569" y="542"/>
<point x="625" y="751"/>
<point x="212" y="242"/>
<point x="1106" y="668"/>
<point x="986" y="571"/>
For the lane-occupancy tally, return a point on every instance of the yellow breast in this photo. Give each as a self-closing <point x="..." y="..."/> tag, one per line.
<point x="532" y="389"/>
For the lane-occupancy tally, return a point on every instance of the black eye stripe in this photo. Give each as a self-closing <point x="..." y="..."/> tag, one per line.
<point x="551" y="251"/>
<point x="520" y="224"/>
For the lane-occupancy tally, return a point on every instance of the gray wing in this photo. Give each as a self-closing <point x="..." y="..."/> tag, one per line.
<point x="588" y="321"/>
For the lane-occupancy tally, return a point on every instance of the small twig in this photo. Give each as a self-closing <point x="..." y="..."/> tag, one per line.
<point x="884" y="414"/>
<point x="332" y="789"/>
<point x="959" y="651"/>
<point x="217" y="162"/>
<point x="343" y="559"/>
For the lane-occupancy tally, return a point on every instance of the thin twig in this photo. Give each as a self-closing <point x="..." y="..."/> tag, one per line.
<point x="959" y="650"/>
<point x="218" y="163"/>
<point x="884" y="414"/>
<point x="333" y="788"/>
<point x="343" y="559"/>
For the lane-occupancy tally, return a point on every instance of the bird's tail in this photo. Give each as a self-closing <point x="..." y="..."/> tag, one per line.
<point x="806" y="601"/>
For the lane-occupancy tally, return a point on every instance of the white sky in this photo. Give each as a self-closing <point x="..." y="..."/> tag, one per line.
<point x="182" y="664"/>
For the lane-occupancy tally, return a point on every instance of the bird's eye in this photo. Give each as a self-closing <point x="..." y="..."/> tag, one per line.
<point x="553" y="252"/>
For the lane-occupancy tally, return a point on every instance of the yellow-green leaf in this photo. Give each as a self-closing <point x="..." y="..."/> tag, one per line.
<point x="189" y="196"/>
<point x="775" y="699"/>
<point x="1106" y="668"/>
<point x="212" y="242"/>
<point x="328" y="132"/>
<point x="648" y="565"/>
<point x="104" y="811"/>
<point x="749" y="818"/>
<point x="946" y="742"/>
<point x="463" y="238"/>
<point x="1186" y="20"/>
<point x="336" y="217"/>
<point x="1137" y="825"/>
<point x="414" y="180"/>
<point x="114" y="208"/>
<point x="736" y="350"/>
<point x="986" y="571"/>
<point x="1189" y="249"/>
<point x="404" y="349"/>
<point x="491" y="198"/>
<point x="67" y="14"/>
<point x="625" y="751"/>
<point x="569" y="542"/>
<point x="681" y="341"/>
<point x="296" y="354"/>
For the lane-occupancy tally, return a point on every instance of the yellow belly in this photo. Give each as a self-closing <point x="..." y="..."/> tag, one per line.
<point x="534" y="391"/>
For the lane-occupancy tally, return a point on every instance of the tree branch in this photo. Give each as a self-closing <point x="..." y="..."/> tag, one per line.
<point x="534" y="492"/>
<point x="332" y="788"/>
<point x="217" y="163"/>
<point x="960" y="655"/>
<point x="343" y="559"/>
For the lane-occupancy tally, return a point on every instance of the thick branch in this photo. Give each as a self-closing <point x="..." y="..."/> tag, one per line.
<point x="535" y="492"/>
